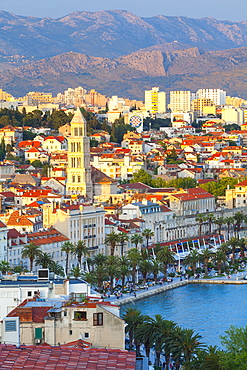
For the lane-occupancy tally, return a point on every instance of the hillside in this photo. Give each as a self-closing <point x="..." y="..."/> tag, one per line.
<point x="131" y="74"/>
<point x="111" y="34"/>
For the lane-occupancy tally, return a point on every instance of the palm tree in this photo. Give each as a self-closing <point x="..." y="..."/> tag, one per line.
<point x="134" y="257"/>
<point x="166" y="257"/>
<point x="89" y="277"/>
<point x="205" y="256"/>
<point x="210" y="219"/>
<point x="192" y="259"/>
<point x="220" y="221"/>
<point x="31" y="251"/>
<point x="122" y="239"/>
<point x="112" y="269"/>
<point x="68" y="248"/>
<point x="136" y="239"/>
<point x="112" y="239"/>
<point x="147" y="233"/>
<point x="220" y="258"/>
<point x="187" y="343"/>
<point x="99" y="259"/>
<point x="80" y="250"/>
<point x="144" y="334"/>
<point x="124" y="268"/>
<point x="229" y="221"/>
<point x="75" y="272"/>
<point x="56" y="268"/>
<point x="145" y="267"/>
<point x="233" y="243"/>
<point x="239" y="218"/>
<point x="200" y="219"/>
<point x="242" y="246"/>
<point x="155" y="268"/>
<point x="45" y="260"/>
<point x="134" y="320"/>
<point x="4" y="267"/>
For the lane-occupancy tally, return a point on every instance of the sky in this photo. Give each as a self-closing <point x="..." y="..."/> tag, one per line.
<point x="220" y="9"/>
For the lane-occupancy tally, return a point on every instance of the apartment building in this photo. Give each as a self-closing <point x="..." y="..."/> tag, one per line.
<point x="217" y="96"/>
<point x="180" y="101"/>
<point x="155" y="101"/>
<point x="77" y="222"/>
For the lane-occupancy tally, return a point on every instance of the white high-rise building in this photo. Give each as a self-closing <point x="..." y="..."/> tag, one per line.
<point x="180" y="101"/>
<point x="155" y="101"/>
<point x="216" y="95"/>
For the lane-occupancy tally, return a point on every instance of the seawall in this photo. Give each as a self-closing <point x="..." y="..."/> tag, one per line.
<point x="161" y="289"/>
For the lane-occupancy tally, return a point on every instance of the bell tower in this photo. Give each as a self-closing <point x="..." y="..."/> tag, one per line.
<point x="79" y="170"/>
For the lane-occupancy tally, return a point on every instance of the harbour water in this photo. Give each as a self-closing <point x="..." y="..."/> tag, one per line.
<point x="209" y="309"/>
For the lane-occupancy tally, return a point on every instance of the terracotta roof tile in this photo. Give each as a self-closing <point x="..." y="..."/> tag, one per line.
<point x="45" y="357"/>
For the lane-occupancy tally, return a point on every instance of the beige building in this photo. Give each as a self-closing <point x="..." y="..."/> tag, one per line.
<point x="57" y="322"/>
<point x="237" y="197"/>
<point x="191" y="202"/>
<point x="79" y="169"/>
<point x="180" y="101"/>
<point x="78" y="222"/>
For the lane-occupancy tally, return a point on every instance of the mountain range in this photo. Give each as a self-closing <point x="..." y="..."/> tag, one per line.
<point x="117" y="52"/>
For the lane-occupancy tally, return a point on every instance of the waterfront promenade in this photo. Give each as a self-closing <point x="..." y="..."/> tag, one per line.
<point x="157" y="289"/>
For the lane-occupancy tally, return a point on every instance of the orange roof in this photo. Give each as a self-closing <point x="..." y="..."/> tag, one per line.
<point x="47" y="357"/>
<point x="19" y="220"/>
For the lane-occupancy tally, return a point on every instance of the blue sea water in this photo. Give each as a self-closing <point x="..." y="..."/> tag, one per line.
<point x="209" y="309"/>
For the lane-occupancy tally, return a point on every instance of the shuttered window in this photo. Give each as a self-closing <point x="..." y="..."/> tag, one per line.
<point x="98" y="319"/>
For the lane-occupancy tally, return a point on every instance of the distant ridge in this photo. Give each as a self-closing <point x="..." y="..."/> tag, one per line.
<point x="129" y="75"/>
<point x="111" y="34"/>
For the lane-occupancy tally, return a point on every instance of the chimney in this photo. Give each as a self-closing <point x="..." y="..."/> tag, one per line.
<point x="145" y="202"/>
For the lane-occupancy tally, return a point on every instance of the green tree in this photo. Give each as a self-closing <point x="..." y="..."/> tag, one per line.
<point x="166" y="257"/>
<point x="4" y="267"/>
<point x="148" y="234"/>
<point x="45" y="260"/>
<point x="80" y="250"/>
<point x="200" y="219"/>
<point x="205" y="256"/>
<point x="220" y="258"/>
<point x="112" y="269"/>
<point x="31" y="251"/>
<point x="136" y="239"/>
<point x="145" y="268"/>
<point x="122" y="239"/>
<point x="57" y="269"/>
<point x="112" y="239"/>
<point x="233" y="243"/>
<point x="192" y="259"/>
<point x="68" y="248"/>
<point x="187" y="344"/>
<point x="134" y="257"/>
<point x="124" y="268"/>
<point x="75" y="272"/>
<point x="134" y="320"/>
<point x="239" y="218"/>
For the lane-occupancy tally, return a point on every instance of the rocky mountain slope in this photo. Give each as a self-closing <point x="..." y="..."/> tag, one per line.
<point x="129" y="75"/>
<point x="111" y="34"/>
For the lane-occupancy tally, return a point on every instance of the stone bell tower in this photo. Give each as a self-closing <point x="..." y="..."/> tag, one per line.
<point x="79" y="170"/>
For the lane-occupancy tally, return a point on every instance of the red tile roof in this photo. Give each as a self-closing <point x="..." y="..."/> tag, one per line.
<point x="51" y="358"/>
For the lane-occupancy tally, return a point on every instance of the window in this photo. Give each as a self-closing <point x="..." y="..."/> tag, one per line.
<point x="10" y="325"/>
<point x="86" y="335"/>
<point x="80" y="315"/>
<point x="38" y="333"/>
<point x="98" y="319"/>
<point x="70" y="332"/>
<point x="29" y="294"/>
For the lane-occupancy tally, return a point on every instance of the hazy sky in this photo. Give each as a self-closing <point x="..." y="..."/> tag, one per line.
<point x="234" y="10"/>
